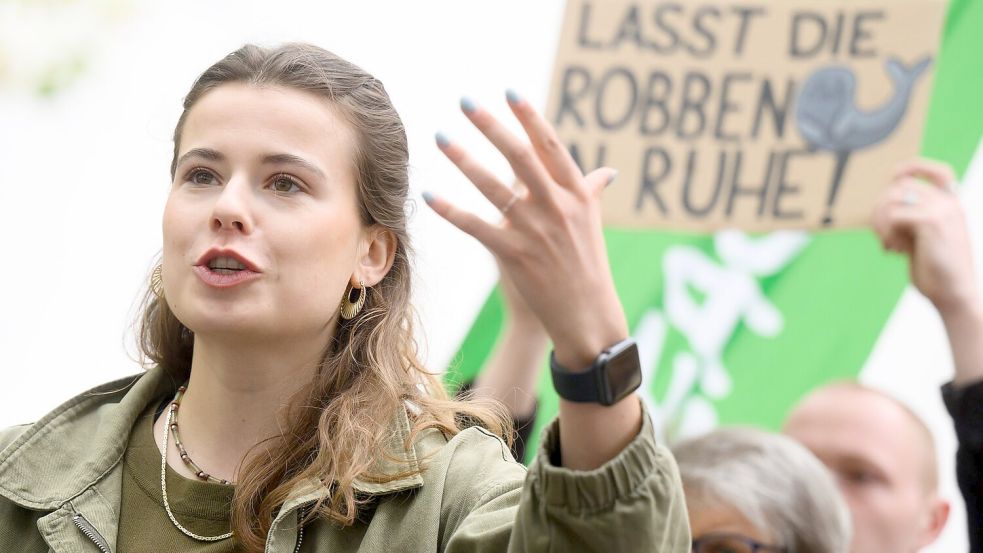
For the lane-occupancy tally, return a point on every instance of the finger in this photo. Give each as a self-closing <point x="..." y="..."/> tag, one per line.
<point x="934" y="172"/>
<point x="904" y="243"/>
<point x="894" y="235"/>
<point x="497" y="193"/>
<point x="879" y="222"/>
<point x="888" y="245"/>
<point x="900" y="223"/>
<point x="893" y="238"/>
<point x="900" y="244"/>
<point x="468" y="222"/>
<point x="523" y="159"/>
<point x="599" y="179"/>
<point x="554" y="155"/>
<point x="912" y="191"/>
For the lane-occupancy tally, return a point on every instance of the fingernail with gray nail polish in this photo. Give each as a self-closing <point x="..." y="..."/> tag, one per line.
<point x="613" y="176"/>
<point x="427" y="196"/>
<point x="512" y="96"/>
<point x="468" y="105"/>
<point x="441" y="139"/>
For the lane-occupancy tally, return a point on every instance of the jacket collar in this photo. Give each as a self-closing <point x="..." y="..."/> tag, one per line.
<point x="74" y="446"/>
<point x="399" y="467"/>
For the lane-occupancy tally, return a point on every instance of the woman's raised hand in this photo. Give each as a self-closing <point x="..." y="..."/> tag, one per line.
<point x="550" y="242"/>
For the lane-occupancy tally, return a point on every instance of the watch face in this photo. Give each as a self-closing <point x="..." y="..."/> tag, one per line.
<point x="624" y="373"/>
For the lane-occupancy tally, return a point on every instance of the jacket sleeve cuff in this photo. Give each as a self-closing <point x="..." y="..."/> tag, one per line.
<point x="641" y="464"/>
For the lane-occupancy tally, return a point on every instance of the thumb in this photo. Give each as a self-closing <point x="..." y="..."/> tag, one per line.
<point x="599" y="179"/>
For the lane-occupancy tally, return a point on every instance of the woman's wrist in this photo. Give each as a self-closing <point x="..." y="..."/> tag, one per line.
<point x="577" y="351"/>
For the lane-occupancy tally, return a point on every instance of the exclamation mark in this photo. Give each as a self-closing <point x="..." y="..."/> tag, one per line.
<point x="841" y="160"/>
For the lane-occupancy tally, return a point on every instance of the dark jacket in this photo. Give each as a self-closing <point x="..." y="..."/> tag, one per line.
<point x="965" y="404"/>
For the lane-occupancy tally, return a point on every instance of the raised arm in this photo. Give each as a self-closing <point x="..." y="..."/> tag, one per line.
<point x="920" y="217"/>
<point x="551" y="245"/>
<point x="511" y="373"/>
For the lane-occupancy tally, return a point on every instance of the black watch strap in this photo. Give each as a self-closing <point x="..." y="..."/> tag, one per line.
<point x="575" y="386"/>
<point x="614" y="374"/>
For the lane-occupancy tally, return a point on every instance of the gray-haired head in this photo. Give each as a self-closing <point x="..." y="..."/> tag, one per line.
<point x="774" y="482"/>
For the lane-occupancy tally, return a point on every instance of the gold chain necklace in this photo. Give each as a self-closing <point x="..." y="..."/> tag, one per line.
<point x="163" y="472"/>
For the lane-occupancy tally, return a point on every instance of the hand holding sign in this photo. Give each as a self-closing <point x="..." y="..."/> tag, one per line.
<point x="920" y="216"/>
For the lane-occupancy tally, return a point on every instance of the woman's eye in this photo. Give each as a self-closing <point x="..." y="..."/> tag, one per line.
<point x="283" y="184"/>
<point x="201" y="177"/>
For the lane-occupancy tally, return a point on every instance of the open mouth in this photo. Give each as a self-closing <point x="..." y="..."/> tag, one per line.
<point x="225" y="268"/>
<point x="226" y="265"/>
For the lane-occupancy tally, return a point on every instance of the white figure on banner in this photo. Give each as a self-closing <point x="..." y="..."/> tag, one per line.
<point x="731" y="294"/>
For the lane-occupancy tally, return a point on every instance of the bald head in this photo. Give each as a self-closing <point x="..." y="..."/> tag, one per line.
<point x="884" y="459"/>
<point x="884" y="420"/>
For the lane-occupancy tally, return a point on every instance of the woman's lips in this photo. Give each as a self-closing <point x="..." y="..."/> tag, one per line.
<point x="214" y="253"/>
<point x="224" y="279"/>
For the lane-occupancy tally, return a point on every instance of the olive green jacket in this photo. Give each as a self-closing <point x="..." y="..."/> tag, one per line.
<point x="60" y="487"/>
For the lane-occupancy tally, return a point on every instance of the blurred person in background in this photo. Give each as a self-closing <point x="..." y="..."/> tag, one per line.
<point x="750" y="491"/>
<point x="883" y="458"/>
<point x="882" y="453"/>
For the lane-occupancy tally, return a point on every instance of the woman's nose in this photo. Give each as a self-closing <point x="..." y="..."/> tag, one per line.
<point x="232" y="208"/>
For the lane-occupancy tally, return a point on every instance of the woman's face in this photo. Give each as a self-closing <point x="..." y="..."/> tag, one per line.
<point x="723" y="529"/>
<point x="261" y="229"/>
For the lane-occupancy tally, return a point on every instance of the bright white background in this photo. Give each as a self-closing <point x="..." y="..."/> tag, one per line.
<point x="84" y="175"/>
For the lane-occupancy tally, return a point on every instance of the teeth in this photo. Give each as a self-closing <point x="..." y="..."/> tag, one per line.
<point x="226" y="263"/>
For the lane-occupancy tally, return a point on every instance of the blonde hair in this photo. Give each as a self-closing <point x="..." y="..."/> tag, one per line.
<point x="335" y="427"/>
<point x="773" y="481"/>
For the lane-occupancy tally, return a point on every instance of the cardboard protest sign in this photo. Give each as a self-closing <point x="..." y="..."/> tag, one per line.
<point x="759" y="115"/>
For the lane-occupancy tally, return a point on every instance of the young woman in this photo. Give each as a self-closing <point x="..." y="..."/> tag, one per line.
<point x="286" y="409"/>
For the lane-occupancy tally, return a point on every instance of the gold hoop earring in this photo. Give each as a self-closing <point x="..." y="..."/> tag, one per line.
<point x="353" y="301"/>
<point x="157" y="281"/>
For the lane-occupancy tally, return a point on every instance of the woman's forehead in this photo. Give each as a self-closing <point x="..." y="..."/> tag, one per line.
<point x="264" y="120"/>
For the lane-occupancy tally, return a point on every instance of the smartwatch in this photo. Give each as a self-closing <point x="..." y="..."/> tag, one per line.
<point x="615" y="373"/>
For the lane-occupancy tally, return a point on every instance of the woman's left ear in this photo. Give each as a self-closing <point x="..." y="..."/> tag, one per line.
<point x="378" y="252"/>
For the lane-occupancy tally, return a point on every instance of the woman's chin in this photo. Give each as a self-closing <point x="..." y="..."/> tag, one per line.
<point x="227" y="325"/>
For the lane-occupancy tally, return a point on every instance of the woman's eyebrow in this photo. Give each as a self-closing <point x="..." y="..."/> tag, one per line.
<point x="290" y="159"/>
<point x="269" y="159"/>
<point x="204" y="153"/>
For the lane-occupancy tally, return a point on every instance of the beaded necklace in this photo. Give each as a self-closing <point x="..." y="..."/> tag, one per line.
<point x="201" y="474"/>
<point x="172" y="427"/>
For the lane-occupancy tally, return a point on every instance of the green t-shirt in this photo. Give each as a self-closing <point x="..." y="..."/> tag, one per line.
<point x="201" y="507"/>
